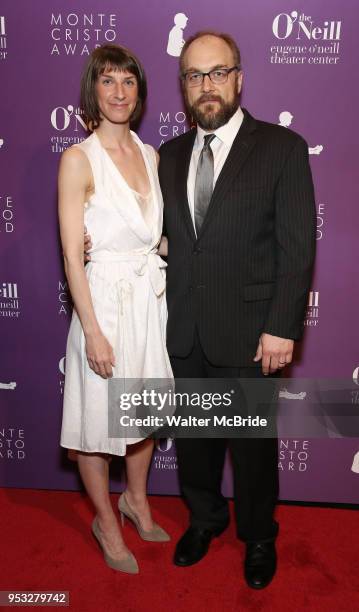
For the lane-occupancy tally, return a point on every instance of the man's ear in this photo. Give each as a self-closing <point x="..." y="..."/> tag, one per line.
<point x="239" y="81"/>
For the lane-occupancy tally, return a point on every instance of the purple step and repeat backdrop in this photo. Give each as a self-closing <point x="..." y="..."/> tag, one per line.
<point x="300" y="68"/>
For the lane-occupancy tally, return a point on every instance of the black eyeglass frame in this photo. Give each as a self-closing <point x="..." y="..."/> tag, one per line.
<point x="204" y="74"/>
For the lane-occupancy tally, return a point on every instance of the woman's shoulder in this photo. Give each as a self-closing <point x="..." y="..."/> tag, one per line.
<point x="151" y="151"/>
<point x="78" y="153"/>
<point x="75" y="158"/>
<point x="86" y="144"/>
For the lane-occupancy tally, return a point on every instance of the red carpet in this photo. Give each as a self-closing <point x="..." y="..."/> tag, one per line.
<point x="46" y="544"/>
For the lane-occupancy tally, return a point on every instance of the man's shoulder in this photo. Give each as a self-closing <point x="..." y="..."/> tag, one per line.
<point x="171" y="146"/>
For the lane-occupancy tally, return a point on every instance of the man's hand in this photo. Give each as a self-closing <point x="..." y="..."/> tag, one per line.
<point x="87" y="245"/>
<point x="274" y="352"/>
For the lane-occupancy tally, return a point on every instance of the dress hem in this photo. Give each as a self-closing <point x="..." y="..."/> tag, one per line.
<point x="102" y="451"/>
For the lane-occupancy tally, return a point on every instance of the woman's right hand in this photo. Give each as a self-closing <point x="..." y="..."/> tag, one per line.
<point x="100" y="354"/>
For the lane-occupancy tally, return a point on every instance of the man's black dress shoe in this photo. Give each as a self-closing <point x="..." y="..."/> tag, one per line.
<point x="193" y="546"/>
<point x="260" y="564"/>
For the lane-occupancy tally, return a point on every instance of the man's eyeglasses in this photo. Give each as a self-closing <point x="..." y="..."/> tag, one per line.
<point x="218" y="76"/>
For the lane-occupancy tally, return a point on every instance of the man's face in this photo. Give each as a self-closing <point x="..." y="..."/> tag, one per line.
<point x="211" y="105"/>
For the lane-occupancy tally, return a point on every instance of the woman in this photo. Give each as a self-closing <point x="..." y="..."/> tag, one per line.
<point x="109" y="183"/>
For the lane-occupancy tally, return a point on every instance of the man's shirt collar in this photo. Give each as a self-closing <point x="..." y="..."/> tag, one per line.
<point x="226" y="133"/>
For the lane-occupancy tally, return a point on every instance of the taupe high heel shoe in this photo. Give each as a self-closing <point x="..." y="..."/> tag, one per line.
<point x="128" y="564"/>
<point x="156" y="534"/>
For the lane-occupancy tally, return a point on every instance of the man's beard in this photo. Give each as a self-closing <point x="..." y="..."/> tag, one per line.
<point x="208" y="118"/>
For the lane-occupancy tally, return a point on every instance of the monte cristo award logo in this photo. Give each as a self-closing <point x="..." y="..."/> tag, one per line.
<point x="79" y="33"/>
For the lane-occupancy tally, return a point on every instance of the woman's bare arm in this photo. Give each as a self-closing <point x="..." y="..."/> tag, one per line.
<point x="75" y="179"/>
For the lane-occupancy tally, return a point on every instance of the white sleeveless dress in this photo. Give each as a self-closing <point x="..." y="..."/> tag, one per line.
<point x="127" y="283"/>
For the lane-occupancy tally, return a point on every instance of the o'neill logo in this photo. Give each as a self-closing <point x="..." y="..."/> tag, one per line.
<point x="164" y="445"/>
<point x="70" y="122"/>
<point x="9" y="300"/>
<point x="312" y="316"/>
<point x="62" y="116"/>
<point x="163" y="458"/>
<point x="318" y="41"/>
<point x="356" y="376"/>
<point x="302" y="26"/>
<point x="3" y="45"/>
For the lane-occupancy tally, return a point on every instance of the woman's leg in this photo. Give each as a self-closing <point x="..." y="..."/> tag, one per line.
<point x="138" y="459"/>
<point x="94" y="470"/>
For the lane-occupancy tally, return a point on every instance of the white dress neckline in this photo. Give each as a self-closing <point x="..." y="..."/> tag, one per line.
<point x="119" y="171"/>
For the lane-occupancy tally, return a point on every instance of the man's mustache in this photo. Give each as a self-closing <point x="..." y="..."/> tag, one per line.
<point x="208" y="98"/>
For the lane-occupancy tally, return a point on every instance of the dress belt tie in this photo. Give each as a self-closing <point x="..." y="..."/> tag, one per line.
<point x="140" y="261"/>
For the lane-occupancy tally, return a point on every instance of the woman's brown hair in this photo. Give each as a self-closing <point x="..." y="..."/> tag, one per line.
<point x="104" y="58"/>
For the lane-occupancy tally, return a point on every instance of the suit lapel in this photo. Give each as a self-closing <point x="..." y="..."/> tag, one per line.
<point x="182" y="169"/>
<point x="238" y="154"/>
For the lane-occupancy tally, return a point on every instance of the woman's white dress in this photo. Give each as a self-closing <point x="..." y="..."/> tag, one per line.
<point x="127" y="283"/>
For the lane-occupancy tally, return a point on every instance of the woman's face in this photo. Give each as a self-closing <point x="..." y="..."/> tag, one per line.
<point x="117" y="95"/>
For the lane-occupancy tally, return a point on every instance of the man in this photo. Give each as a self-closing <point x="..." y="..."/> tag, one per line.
<point x="240" y="220"/>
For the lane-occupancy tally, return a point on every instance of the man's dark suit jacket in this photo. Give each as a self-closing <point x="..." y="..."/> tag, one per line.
<point x="249" y="270"/>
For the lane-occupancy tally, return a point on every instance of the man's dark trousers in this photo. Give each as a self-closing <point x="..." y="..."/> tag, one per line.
<point x="201" y="461"/>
